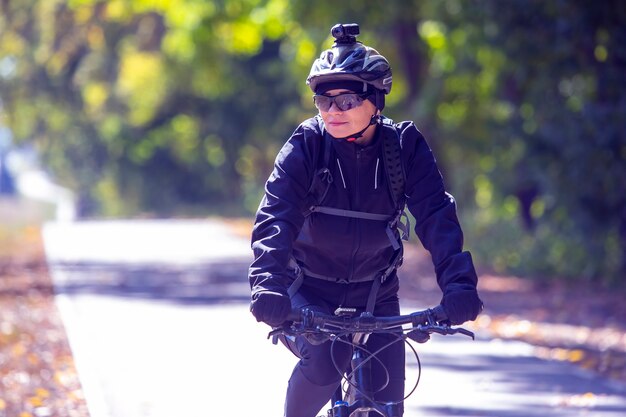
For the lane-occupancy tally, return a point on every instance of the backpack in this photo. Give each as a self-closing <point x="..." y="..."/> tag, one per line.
<point x="396" y="182"/>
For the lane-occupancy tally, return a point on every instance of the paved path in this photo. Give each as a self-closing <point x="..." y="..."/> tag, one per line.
<point x="156" y="313"/>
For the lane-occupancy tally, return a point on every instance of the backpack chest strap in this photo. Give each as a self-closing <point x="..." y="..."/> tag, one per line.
<point x="393" y="222"/>
<point x="349" y="213"/>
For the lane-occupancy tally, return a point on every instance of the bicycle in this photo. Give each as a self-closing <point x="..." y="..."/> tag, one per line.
<point x="347" y="327"/>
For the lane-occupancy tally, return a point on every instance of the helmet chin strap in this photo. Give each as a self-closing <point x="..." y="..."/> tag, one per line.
<point x="351" y="138"/>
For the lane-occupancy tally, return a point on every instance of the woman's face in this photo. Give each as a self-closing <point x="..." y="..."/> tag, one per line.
<point x="341" y="124"/>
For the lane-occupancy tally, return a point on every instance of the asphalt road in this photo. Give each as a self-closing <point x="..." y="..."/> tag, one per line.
<point x="157" y="317"/>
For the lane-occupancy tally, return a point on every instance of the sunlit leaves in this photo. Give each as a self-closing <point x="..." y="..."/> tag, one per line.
<point x="484" y="191"/>
<point x="95" y="96"/>
<point x="272" y="16"/>
<point x="246" y="162"/>
<point x="23" y="125"/>
<point x="144" y="149"/>
<point x="501" y="111"/>
<point x="107" y="191"/>
<point x="180" y="135"/>
<point x="182" y="14"/>
<point x="601" y="51"/>
<point x="185" y="135"/>
<point x="179" y="44"/>
<point x="118" y="11"/>
<point x="12" y="44"/>
<point x="453" y="113"/>
<point x="491" y="61"/>
<point x="301" y="50"/>
<point x="110" y="129"/>
<point x="141" y="83"/>
<point x="78" y="3"/>
<point x="241" y="37"/>
<point x="434" y="34"/>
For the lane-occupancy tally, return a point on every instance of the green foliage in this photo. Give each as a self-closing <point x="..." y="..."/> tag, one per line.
<point x="540" y="127"/>
<point x="179" y="107"/>
<point x="147" y="106"/>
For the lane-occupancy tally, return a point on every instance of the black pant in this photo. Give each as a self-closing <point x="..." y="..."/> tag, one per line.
<point x="318" y="373"/>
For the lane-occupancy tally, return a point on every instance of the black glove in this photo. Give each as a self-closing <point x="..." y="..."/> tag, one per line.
<point x="461" y="303"/>
<point x="270" y="307"/>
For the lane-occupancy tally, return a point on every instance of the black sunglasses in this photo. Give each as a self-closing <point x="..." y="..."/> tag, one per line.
<point x="343" y="101"/>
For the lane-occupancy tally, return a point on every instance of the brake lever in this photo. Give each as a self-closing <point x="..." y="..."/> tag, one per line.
<point x="286" y="330"/>
<point x="275" y="332"/>
<point x="464" y="332"/>
<point x="446" y="330"/>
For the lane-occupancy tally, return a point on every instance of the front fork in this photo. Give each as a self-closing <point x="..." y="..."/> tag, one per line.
<point x="361" y="377"/>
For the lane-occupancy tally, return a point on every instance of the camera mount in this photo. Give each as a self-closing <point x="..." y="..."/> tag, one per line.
<point x="345" y="33"/>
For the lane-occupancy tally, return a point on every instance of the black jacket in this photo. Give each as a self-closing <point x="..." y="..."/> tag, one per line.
<point x="350" y="249"/>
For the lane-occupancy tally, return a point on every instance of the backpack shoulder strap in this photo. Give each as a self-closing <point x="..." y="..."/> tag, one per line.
<point x="392" y="160"/>
<point x="322" y="178"/>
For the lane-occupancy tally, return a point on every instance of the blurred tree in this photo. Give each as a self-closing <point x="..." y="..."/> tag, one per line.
<point x="179" y="107"/>
<point x="534" y="93"/>
<point x="149" y="105"/>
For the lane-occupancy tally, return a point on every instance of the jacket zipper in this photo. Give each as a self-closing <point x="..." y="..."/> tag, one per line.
<point x="357" y="201"/>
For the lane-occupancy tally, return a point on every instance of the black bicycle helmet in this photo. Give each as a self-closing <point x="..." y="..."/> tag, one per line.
<point x="350" y="60"/>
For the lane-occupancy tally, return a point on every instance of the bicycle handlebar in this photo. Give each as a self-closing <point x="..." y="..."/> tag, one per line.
<point x="344" y="321"/>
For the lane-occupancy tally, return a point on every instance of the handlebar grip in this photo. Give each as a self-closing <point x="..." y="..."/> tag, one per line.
<point x="295" y="315"/>
<point x="439" y="313"/>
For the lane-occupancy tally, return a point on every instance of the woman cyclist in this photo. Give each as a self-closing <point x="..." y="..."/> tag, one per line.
<point x="340" y="247"/>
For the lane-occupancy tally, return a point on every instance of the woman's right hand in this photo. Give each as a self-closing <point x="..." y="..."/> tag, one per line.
<point x="270" y="307"/>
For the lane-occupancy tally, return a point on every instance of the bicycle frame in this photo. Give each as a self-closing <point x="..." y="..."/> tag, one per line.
<point x="358" y="399"/>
